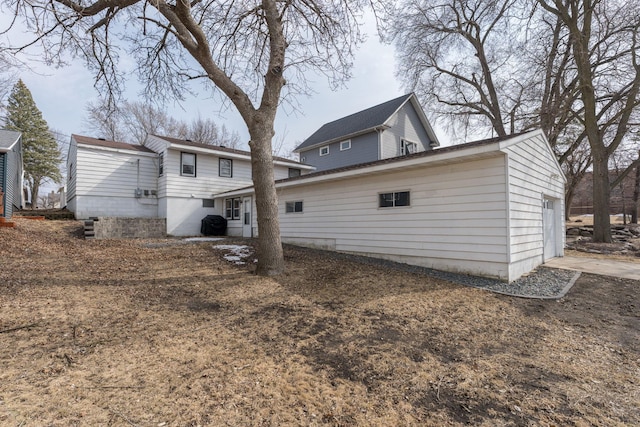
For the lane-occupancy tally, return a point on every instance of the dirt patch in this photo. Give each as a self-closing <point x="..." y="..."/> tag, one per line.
<point x="118" y="332"/>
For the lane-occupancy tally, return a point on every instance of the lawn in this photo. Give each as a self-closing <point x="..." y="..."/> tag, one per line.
<point x="167" y="333"/>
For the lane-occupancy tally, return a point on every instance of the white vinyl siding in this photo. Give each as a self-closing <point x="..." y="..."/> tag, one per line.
<point x="105" y="182"/>
<point x="208" y="181"/>
<point x="533" y="175"/>
<point x="457" y="216"/>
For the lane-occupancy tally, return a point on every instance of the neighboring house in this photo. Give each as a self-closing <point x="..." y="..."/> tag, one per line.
<point x="394" y="128"/>
<point x="11" y="173"/>
<point x="166" y="178"/>
<point x="492" y="208"/>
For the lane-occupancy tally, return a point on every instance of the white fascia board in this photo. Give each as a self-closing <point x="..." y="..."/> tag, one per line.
<point x="203" y="150"/>
<point x="247" y="191"/>
<point x="448" y="157"/>
<point x="116" y="150"/>
<point x="13" y="144"/>
<point x="455" y="156"/>
<point x="294" y="164"/>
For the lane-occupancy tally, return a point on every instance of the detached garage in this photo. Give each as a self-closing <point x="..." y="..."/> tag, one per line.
<point x="490" y="208"/>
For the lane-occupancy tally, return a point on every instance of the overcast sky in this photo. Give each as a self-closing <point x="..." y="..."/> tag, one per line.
<point x="62" y="95"/>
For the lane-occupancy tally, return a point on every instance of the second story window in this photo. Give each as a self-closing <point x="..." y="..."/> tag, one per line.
<point x="187" y="164"/>
<point x="324" y="151"/>
<point x="226" y="168"/>
<point x="408" y="147"/>
<point x="161" y="165"/>
<point x="345" y="145"/>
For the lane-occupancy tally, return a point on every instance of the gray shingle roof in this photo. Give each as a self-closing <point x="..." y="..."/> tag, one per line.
<point x="7" y="139"/>
<point x="355" y="123"/>
<point x="110" y="144"/>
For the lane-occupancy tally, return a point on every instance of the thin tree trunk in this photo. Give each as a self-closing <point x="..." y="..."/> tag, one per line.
<point x="636" y="196"/>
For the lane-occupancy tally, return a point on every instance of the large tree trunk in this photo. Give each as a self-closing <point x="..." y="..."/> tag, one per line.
<point x="270" y="255"/>
<point x="601" y="195"/>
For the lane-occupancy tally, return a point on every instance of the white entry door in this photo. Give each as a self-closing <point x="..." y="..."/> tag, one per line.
<point x="247" y="230"/>
<point x="550" y="231"/>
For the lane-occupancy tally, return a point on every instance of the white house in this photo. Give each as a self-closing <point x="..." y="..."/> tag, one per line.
<point x="166" y="178"/>
<point x="492" y="208"/>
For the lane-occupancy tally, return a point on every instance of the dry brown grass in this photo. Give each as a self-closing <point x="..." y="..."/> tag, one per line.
<point x="119" y="333"/>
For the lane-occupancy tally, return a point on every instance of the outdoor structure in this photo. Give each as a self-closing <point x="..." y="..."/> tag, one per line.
<point x="491" y="208"/>
<point x="166" y="178"/>
<point x="11" y="173"/>
<point x="394" y="128"/>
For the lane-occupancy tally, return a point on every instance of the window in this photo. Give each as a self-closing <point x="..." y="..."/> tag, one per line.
<point x="293" y="172"/>
<point x="161" y="165"/>
<point x="225" y="168"/>
<point x="408" y="147"/>
<point x="232" y="208"/>
<point x="292" y="207"/>
<point x="345" y="145"/>
<point x="398" y="198"/>
<point x="324" y="150"/>
<point x="187" y="164"/>
<point x="208" y="203"/>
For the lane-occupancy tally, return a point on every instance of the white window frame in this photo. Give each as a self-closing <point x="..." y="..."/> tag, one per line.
<point x="294" y="206"/>
<point x="183" y="164"/>
<point x="404" y="143"/>
<point x="394" y="195"/>
<point x="225" y="174"/>
<point x="345" y="145"/>
<point x="321" y="149"/>
<point x="232" y="207"/>
<point x="161" y="164"/>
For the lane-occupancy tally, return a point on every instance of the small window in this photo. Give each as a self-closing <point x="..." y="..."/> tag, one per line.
<point x="208" y="203"/>
<point x="408" y="147"/>
<point x="161" y="165"/>
<point x="324" y="151"/>
<point x="399" y="198"/>
<point x="226" y="168"/>
<point x="293" y="172"/>
<point x="293" y="207"/>
<point x="187" y="164"/>
<point x="232" y="208"/>
<point x="345" y="145"/>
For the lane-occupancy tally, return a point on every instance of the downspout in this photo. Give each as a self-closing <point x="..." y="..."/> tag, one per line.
<point x="4" y="184"/>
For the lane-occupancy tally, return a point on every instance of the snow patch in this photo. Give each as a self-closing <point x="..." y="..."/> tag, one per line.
<point x="236" y="254"/>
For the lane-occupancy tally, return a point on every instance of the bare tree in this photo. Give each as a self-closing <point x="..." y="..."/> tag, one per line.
<point x="245" y="49"/>
<point x="461" y="57"/>
<point x="133" y="121"/>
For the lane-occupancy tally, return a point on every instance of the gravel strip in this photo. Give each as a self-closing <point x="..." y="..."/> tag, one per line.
<point x="541" y="283"/>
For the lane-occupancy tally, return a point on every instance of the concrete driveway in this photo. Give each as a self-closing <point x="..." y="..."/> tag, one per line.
<point x="615" y="268"/>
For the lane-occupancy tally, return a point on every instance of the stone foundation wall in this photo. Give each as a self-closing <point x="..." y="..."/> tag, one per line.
<point x="129" y="228"/>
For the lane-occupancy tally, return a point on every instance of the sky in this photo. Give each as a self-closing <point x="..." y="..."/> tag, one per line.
<point x="62" y="95"/>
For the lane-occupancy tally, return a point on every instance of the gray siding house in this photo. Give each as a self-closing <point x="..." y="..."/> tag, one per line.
<point x="394" y="128"/>
<point x="11" y="173"/>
